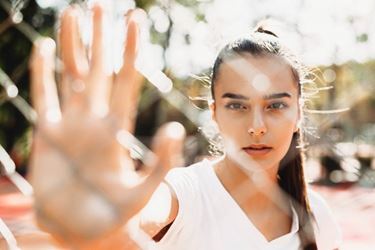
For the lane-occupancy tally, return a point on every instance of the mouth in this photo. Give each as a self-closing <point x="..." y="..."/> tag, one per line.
<point x="257" y="149"/>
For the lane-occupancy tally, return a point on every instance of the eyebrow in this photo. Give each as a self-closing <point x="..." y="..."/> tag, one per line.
<point x="277" y="95"/>
<point x="234" y="96"/>
<point x="266" y="97"/>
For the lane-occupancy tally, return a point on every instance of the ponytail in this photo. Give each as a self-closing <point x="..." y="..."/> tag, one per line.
<point x="292" y="181"/>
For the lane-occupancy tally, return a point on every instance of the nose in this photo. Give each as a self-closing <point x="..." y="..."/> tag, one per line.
<point x="257" y="125"/>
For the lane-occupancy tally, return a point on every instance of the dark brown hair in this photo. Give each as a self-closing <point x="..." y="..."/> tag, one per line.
<point x="264" y="42"/>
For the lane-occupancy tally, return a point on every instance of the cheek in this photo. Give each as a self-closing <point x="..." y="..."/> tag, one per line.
<point x="286" y="121"/>
<point x="229" y="124"/>
<point x="282" y="128"/>
<point x="281" y="136"/>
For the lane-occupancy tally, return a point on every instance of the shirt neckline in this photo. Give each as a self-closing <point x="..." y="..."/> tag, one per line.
<point x="262" y="238"/>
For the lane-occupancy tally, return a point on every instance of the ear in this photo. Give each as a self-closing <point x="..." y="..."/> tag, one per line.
<point x="212" y="107"/>
<point x="297" y="126"/>
<point x="299" y="119"/>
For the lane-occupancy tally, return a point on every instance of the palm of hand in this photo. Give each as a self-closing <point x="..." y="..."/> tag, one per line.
<point x="80" y="173"/>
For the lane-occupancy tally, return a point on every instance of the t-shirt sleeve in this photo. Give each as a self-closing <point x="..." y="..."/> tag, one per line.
<point x="327" y="231"/>
<point x="183" y="184"/>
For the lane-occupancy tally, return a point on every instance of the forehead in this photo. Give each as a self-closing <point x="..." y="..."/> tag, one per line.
<point x="255" y="75"/>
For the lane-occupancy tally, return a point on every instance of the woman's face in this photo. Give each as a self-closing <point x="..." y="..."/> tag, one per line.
<point x="256" y="109"/>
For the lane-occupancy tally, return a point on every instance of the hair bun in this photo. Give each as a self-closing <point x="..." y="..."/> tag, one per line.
<point x="260" y="29"/>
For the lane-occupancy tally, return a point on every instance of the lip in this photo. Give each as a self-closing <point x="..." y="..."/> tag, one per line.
<point x="257" y="149"/>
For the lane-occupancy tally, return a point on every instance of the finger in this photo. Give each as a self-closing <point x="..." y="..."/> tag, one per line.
<point x="100" y="75"/>
<point x="73" y="57"/>
<point x="72" y="49"/>
<point x="128" y="81"/>
<point x="97" y="55"/>
<point x="43" y="86"/>
<point x="167" y="146"/>
<point x="131" y="41"/>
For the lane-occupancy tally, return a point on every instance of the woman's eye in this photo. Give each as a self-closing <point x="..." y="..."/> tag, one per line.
<point x="277" y="105"/>
<point x="235" y="106"/>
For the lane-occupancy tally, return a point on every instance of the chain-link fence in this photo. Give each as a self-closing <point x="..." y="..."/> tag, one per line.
<point x="167" y="98"/>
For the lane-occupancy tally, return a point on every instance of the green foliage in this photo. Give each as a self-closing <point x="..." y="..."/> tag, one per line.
<point x="353" y="85"/>
<point x="15" y="48"/>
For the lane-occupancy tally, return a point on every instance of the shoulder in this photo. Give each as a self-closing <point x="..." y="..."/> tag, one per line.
<point x="320" y="208"/>
<point x="170" y="199"/>
<point x="186" y="183"/>
<point x="327" y="231"/>
<point x="189" y="171"/>
<point x="186" y="177"/>
<point x="160" y="210"/>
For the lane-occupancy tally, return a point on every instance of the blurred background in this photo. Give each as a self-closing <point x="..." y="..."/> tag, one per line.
<point x="180" y="40"/>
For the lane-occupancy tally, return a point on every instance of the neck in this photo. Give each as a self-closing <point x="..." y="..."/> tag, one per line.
<point x="259" y="186"/>
<point x="258" y="179"/>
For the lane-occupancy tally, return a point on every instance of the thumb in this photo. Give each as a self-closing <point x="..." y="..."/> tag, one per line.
<point x="167" y="147"/>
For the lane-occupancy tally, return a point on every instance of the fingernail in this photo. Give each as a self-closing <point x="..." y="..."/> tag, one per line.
<point x="47" y="47"/>
<point x="70" y="12"/>
<point x="139" y="16"/>
<point x="98" y="5"/>
<point x="175" y="130"/>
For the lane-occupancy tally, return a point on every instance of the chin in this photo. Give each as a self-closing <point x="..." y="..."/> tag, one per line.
<point x="249" y="163"/>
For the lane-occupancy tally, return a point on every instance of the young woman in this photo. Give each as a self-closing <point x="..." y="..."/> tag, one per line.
<point x="253" y="197"/>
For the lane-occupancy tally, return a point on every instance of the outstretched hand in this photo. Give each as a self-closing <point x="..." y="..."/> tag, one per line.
<point x="84" y="181"/>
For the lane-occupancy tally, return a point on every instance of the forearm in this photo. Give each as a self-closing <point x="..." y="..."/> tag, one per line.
<point x="114" y="240"/>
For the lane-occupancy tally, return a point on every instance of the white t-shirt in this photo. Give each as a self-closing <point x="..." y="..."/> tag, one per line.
<point x="209" y="218"/>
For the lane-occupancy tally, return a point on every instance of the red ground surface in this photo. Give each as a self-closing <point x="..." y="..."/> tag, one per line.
<point x="353" y="207"/>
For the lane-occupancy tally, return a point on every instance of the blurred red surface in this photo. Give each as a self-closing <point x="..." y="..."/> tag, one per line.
<point x="16" y="211"/>
<point x="353" y="207"/>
